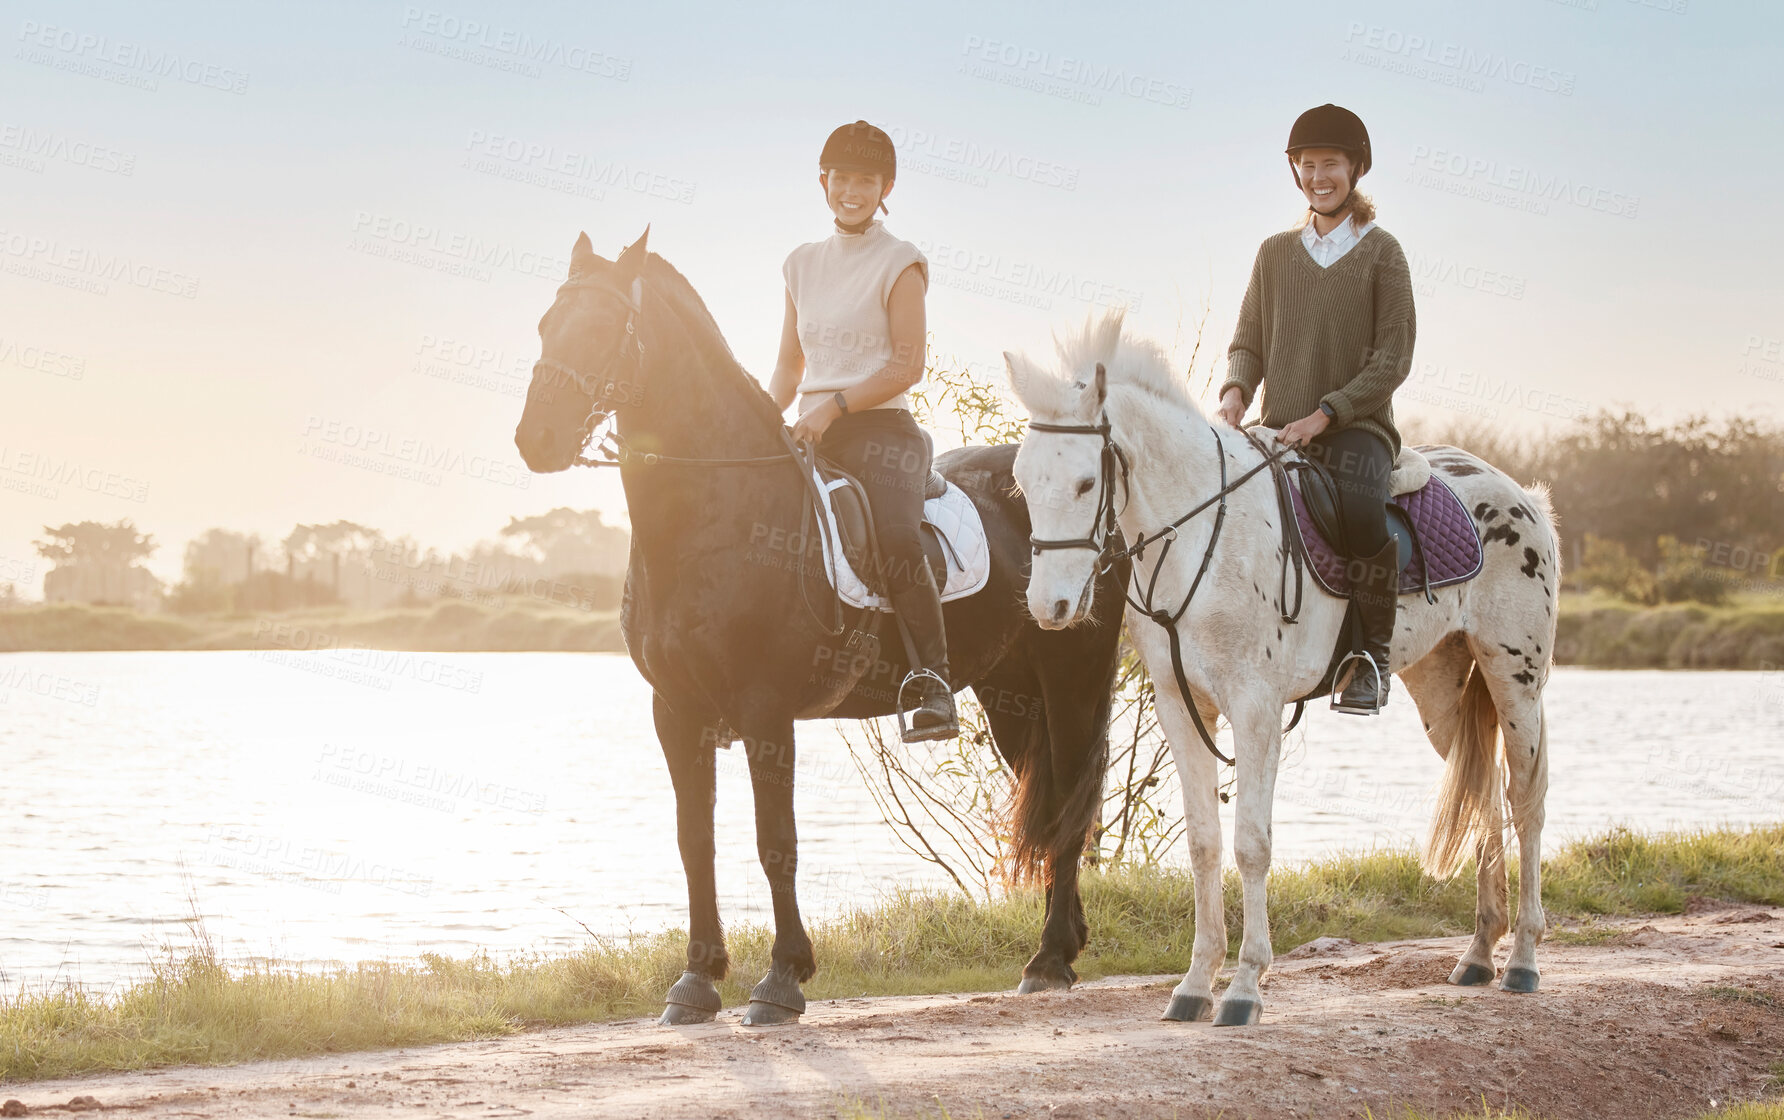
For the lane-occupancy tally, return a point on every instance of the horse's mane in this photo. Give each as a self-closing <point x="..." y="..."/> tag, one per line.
<point x="702" y="328"/>
<point x="1128" y="361"/>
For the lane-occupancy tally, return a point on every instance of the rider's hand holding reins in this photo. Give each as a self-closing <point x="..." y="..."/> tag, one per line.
<point x="1301" y="432"/>
<point x="1232" y="407"/>
<point x="810" y="426"/>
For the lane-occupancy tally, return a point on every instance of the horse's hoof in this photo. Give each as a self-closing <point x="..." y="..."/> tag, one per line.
<point x="1238" y="1012"/>
<point x="681" y="1015"/>
<point x="693" y="999"/>
<point x="1471" y="975"/>
<point x="768" y="1015"/>
<point x="1520" y="980"/>
<point x="775" y="1000"/>
<point x="1189" y="1009"/>
<point x="1033" y="984"/>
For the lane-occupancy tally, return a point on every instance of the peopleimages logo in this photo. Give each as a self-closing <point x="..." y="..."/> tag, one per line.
<point x="1463" y="60"/>
<point x="518" y="49"/>
<point x="1517" y="180"/>
<point x="74" y="50"/>
<point x="47" y="258"/>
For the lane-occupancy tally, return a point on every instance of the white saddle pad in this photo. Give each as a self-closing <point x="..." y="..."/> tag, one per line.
<point x="963" y="535"/>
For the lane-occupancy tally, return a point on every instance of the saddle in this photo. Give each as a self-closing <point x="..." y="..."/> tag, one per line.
<point x="1437" y="541"/>
<point x="953" y="539"/>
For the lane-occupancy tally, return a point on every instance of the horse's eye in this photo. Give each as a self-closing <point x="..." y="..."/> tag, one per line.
<point x="1084" y="485"/>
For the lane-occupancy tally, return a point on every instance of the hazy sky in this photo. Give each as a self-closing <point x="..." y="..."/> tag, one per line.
<point x="257" y="259"/>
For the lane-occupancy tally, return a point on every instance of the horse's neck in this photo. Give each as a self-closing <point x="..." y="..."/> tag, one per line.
<point x="1178" y="470"/>
<point x="698" y="404"/>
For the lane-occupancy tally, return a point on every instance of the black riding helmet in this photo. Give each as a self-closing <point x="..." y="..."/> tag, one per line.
<point x="1331" y="126"/>
<point x="861" y="147"/>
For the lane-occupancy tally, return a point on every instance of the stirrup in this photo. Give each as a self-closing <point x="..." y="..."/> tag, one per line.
<point x="1338" y="693"/>
<point x="907" y="734"/>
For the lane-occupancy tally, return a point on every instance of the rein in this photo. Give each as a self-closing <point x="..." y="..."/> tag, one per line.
<point x="1108" y="556"/>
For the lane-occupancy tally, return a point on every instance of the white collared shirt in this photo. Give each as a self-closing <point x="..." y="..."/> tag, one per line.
<point x="1340" y="241"/>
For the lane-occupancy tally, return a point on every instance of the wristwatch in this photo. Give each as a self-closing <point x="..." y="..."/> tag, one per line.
<point x="1331" y="413"/>
<point x="842" y="402"/>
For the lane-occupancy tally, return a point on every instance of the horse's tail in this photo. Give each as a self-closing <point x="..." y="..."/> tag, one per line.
<point x="1057" y="795"/>
<point x="1467" y="803"/>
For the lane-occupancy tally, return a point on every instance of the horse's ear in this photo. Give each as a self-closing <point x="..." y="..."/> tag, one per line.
<point x="1016" y="368"/>
<point x="1095" y="393"/>
<point x="631" y="262"/>
<point x="582" y="255"/>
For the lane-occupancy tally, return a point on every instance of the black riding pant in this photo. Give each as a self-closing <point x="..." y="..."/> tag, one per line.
<point x="1360" y="464"/>
<point x="890" y="453"/>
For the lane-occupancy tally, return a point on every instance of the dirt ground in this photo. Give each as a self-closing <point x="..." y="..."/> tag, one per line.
<point x="1667" y="1018"/>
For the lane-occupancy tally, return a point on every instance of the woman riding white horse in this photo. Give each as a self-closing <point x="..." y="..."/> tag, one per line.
<point x="1115" y="438"/>
<point x="1327" y="328"/>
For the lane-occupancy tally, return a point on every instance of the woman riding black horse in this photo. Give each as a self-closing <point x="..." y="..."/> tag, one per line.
<point x="852" y="344"/>
<point x="1327" y="328"/>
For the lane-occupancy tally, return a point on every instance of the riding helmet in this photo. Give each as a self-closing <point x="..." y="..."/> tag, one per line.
<point x="860" y="147"/>
<point x="1331" y="126"/>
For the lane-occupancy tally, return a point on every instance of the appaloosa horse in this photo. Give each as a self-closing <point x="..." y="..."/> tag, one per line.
<point x="1115" y="439"/>
<point x="728" y="615"/>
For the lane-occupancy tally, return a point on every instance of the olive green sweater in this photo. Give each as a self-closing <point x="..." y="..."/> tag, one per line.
<point x="1340" y="335"/>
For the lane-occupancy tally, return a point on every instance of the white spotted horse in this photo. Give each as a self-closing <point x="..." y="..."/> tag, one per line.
<point x="1116" y="443"/>
<point x="718" y="612"/>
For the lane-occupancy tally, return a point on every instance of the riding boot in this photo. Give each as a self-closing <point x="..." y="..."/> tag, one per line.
<point x="1376" y="595"/>
<point x="919" y="608"/>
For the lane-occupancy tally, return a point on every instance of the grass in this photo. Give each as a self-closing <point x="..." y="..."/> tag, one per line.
<point x="1595" y="630"/>
<point x="195" y="1009"/>
<point x="1599" y="631"/>
<point x="514" y="623"/>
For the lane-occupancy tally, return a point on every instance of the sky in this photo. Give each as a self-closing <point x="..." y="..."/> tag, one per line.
<point x="260" y="264"/>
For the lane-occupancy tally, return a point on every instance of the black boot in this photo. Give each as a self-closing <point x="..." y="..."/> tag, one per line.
<point x="1376" y="595"/>
<point x="919" y="609"/>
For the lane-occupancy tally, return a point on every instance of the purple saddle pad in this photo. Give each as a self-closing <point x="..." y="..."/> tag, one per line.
<point x="1448" y="540"/>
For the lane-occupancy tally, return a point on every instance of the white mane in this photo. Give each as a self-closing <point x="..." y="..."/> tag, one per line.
<point x="1129" y="362"/>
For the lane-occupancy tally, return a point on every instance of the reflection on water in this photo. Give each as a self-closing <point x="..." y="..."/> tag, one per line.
<point x="317" y="808"/>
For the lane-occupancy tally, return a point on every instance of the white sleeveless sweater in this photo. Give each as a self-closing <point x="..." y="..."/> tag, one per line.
<point x="840" y="286"/>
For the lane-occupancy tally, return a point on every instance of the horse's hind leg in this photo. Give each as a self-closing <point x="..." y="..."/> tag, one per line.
<point x="1055" y="740"/>
<point x="1438" y="684"/>
<point x="688" y="748"/>
<point x="777" y="999"/>
<point x="1525" y="726"/>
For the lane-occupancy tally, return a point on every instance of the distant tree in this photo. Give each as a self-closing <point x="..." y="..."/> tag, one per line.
<point x="93" y="542"/>
<point x="566" y="541"/>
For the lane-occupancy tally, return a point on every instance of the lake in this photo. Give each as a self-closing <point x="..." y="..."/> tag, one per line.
<point x="344" y="805"/>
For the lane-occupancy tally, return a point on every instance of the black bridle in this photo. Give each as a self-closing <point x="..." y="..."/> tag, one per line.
<point x="1107" y="555"/>
<point x="607" y="395"/>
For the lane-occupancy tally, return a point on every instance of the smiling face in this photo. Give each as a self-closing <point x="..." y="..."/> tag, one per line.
<point x="1325" y="177"/>
<point x="853" y="196"/>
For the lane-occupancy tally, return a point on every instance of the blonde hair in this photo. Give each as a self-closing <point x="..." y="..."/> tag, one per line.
<point x="1362" y="209"/>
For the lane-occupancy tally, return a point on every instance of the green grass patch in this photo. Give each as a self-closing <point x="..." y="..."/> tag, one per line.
<point x="1599" y="631"/>
<point x="195" y="1009"/>
<point x="514" y="623"/>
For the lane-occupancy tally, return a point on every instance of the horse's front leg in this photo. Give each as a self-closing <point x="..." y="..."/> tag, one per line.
<point x="1198" y="772"/>
<point x="777" y="999"/>
<point x="1257" y="746"/>
<point x="688" y="747"/>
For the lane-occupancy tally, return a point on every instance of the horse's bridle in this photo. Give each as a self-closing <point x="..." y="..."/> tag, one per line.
<point x="1103" y="522"/>
<point x="1107" y="555"/>
<point x="601" y="392"/>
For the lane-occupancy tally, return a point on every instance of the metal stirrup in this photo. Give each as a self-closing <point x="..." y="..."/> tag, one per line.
<point x="1338" y="693"/>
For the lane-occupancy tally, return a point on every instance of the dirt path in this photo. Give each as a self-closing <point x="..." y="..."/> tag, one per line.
<point x="1668" y="1017"/>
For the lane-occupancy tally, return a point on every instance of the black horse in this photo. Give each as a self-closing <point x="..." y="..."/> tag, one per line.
<point x="735" y="626"/>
